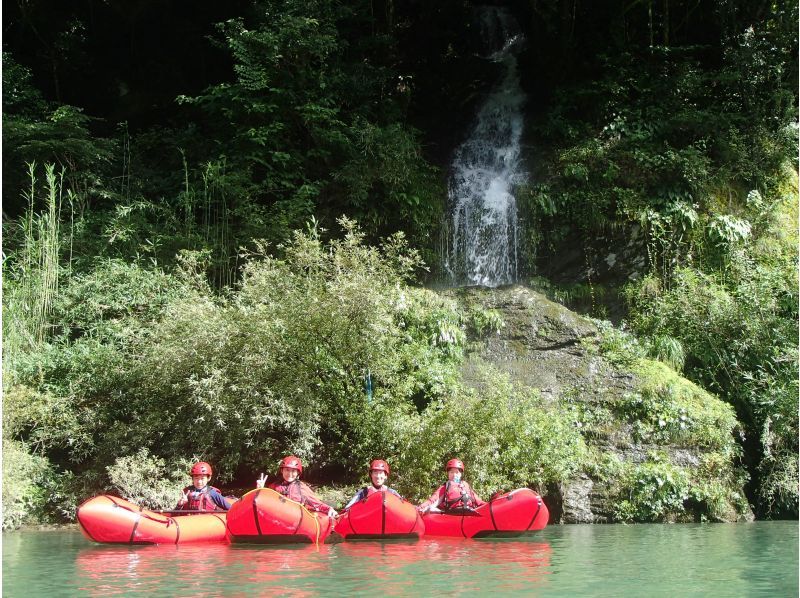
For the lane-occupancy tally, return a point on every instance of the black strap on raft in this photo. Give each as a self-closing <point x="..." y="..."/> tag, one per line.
<point x="491" y="514"/>
<point x="536" y="514"/>
<point x="255" y="512"/>
<point x="300" y="521"/>
<point x="383" y="513"/>
<point x="135" y="525"/>
<point x="177" y="529"/>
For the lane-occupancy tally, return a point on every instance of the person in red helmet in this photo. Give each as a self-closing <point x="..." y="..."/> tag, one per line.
<point x="200" y="496"/>
<point x="455" y="495"/>
<point x="290" y="486"/>
<point x="378" y="474"/>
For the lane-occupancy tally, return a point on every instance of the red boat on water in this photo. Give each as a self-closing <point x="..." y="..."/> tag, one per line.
<point x="264" y="516"/>
<point x="380" y="516"/>
<point x="507" y="515"/>
<point x="110" y="519"/>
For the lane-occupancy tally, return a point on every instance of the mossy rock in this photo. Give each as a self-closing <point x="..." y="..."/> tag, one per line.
<point x="661" y="447"/>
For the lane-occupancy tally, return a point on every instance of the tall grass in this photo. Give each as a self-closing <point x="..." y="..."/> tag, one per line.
<point x="32" y="269"/>
<point x="206" y="217"/>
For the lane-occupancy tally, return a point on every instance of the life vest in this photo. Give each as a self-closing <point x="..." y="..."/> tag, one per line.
<point x="372" y="490"/>
<point x="367" y="491"/>
<point x="457" y="497"/>
<point x="291" y="490"/>
<point x="199" y="500"/>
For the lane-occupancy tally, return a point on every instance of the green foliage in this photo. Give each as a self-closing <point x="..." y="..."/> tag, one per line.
<point x="581" y="297"/>
<point x="36" y="132"/>
<point x="656" y="491"/>
<point x="153" y="361"/>
<point x="481" y="322"/>
<point x="738" y="332"/>
<point x="509" y="437"/>
<point x="314" y="122"/>
<point x="388" y="182"/>
<point x="710" y="179"/>
<point x="147" y="480"/>
<point x="34" y="270"/>
<point x="669" y="409"/>
<point x="24" y="478"/>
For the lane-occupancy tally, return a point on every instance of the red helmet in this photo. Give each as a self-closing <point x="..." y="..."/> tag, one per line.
<point x="201" y="468"/>
<point x="379" y="465"/>
<point x="292" y="462"/>
<point x="457" y="463"/>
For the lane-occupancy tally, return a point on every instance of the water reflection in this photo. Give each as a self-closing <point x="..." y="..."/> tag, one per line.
<point x="758" y="559"/>
<point x="393" y="568"/>
<point x="428" y="565"/>
<point x="199" y="569"/>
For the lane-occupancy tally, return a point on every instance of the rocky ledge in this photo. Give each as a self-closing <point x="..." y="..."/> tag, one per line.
<point x="660" y="448"/>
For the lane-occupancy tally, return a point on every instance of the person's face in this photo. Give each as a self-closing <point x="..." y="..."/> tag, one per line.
<point x="200" y="481"/>
<point x="289" y="474"/>
<point x="451" y="473"/>
<point x="378" y="477"/>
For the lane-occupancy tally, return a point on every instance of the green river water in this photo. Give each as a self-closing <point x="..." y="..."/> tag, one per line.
<point x="754" y="559"/>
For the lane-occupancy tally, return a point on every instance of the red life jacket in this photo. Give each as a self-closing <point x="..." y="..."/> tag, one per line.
<point x="291" y="490"/>
<point x="199" y="500"/>
<point x="457" y="496"/>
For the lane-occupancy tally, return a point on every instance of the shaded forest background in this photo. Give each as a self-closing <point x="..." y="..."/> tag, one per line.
<point x="154" y="151"/>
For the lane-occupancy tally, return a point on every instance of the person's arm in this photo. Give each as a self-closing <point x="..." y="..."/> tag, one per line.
<point x="475" y="498"/>
<point x="355" y="499"/>
<point x="433" y="501"/>
<point x="395" y="492"/>
<point x="313" y="502"/>
<point x="219" y="500"/>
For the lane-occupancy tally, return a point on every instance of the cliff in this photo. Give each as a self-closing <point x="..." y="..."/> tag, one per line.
<point x="661" y="448"/>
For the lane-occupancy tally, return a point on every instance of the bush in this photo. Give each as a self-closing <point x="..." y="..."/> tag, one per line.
<point x="148" y="481"/>
<point x="149" y="360"/>
<point x="669" y="409"/>
<point x="24" y="477"/>
<point x="508" y="437"/>
<point x="656" y="491"/>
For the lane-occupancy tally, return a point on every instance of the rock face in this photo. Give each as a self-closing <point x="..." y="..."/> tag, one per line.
<point x="650" y="432"/>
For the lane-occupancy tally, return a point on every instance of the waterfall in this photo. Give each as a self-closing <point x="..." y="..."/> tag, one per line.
<point x="482" y="247"/>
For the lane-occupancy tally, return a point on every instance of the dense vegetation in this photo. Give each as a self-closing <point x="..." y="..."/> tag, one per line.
<point x="159" y="302"/>
<point x="682" y="158"/>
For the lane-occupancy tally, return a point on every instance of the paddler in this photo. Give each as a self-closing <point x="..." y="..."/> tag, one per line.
<point x="378" y="474"/>
<point x="200" y="496"/>
<point x="291" y="487"/>
<point x="455" y="495"/>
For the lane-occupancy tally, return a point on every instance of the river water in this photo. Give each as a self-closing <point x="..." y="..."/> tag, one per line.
<point x="755" y="559"/>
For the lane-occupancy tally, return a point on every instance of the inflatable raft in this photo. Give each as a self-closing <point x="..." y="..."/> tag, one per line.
<point x="507" y="515"/>
<point x="264" y="516"/>
<point x="381" y="515"/>
<point x="109" y="519"/>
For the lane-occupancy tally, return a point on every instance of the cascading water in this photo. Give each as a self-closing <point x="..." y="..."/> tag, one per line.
<point x="482" y="248"/>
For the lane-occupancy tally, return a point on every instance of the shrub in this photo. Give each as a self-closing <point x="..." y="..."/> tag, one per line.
<point x="24" y="476"/>
<point x="669" y="409"/>
<point x="654" y="491"/>
<point x="147" y="480"/>
<point x="508" y="437"/>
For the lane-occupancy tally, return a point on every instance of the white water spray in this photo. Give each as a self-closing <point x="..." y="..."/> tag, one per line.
<point x="482" y="248"/>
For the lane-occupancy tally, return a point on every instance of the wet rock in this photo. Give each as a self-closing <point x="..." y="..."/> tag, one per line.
<point x="545" y="346"/>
